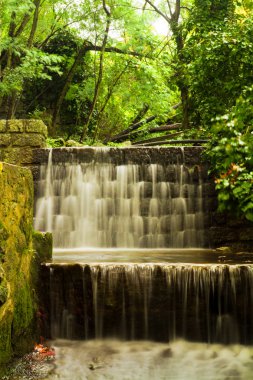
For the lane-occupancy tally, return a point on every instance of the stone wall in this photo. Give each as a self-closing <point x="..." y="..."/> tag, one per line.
<point x="19" y="262"/>
<point x="18" y="138"/>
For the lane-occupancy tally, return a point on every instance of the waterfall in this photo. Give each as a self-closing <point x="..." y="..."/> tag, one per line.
<point x="160" y="302"/>
<point x="103" y="204"/>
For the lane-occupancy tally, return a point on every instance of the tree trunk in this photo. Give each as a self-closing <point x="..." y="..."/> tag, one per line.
<point x="122" y="136"/>
<point x="159" y="138"/>
<point x="66" y="85"/>
<point x="34" y="24"/>
<point x="164" y="128"/>
<point x="100" y="76"/>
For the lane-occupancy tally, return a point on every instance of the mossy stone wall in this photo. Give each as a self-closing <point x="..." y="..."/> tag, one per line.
<point x="18" y="263"/>
<point x="18" y="139"/>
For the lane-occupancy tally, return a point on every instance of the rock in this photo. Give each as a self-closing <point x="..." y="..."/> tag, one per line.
<point x="224" y="250"/>
<point x="70" y="143"/>
<point x="17" y="298"/>
<point x="43" y="245"/>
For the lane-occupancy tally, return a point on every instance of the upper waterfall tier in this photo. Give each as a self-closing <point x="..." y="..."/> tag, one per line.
<point x="105" y="200"/>
<point x="120" y="156"/>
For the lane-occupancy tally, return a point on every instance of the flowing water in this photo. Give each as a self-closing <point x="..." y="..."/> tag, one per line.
<point x="123" y="298"/>
<point x="155" y="301"/>
<point x="105" y="205"/>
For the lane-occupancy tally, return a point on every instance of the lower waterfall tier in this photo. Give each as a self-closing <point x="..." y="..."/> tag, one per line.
<point x="159" y="302"/>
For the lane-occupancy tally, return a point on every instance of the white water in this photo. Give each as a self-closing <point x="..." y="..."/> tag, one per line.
<point x="180" y="360"/>
<point x="107" y="205"/>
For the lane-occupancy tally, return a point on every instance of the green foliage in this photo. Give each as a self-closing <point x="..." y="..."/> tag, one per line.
<point x="55" y="143"/>
<point x="220" y="59"/>
<point x="33" y="65"/>
<point x="230" y="153"/>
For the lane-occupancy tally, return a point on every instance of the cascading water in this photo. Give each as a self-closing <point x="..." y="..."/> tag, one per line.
<point x="160" y="302"/>
<point x="102" y="285"/>
<point x="105" y="204"/>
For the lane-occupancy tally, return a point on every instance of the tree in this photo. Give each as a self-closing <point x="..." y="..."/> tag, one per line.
<point x="174" y="16"/>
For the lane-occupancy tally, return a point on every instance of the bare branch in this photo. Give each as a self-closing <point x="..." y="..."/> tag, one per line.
<point x="158" y="11"/>
<point x="187" y="8"/>
<point x="168" y="2"/>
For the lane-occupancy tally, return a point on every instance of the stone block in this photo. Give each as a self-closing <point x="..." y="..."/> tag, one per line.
<point x="3" y="125"/>
<point x="28" y="140"/>
<point x="40" y="156"/>
<point x="35" y="126"/>
<point x="193" y="155"/>
<point x="15" y="125"/>
<point x="5" y="139"/>
<point x="18" y="156"/>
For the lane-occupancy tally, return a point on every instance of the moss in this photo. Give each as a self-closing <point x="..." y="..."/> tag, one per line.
<point x="43" y="245"/>
<point x="18" y="266"/>
<point x="3" y="287"/>
<point x="3" y="238"/>
<point x="6" y="312"/>
<point x="23" y="324"/>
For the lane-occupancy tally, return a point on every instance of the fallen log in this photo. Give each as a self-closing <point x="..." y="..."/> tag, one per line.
<point x="127" y="132"/>
<point x="159" y="138"/>
<point x="163" y="128"/>
<point x="171" y="142"/>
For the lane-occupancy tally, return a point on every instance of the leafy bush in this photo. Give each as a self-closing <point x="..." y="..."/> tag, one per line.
<point x="230" y="153"/>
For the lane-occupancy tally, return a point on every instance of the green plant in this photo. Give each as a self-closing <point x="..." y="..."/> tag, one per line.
<point x="230" y="153"/>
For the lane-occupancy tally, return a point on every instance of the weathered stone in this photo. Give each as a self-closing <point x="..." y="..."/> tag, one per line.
<point x="18" y="138"/>
<point x="17" y="155"/>
<point x="40" y="156"/>
<point x="43" y="245"/>
<point x="224" y="250"/>
<point x="134" y="155"/>
<point x="3" y="126"/>
<point x="35" y="169"/>
<point x="70" y="143"/>
<point x="27" y="140"/>
<point x="35" y="126"/>
<point x="5" y="139"/>
<point x="17" y="299"/>
<point x="15" y="125"/>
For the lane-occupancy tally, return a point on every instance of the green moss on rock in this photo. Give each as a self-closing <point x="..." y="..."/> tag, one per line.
<point x="17" y="263"/>
<point x="43" y="245"/>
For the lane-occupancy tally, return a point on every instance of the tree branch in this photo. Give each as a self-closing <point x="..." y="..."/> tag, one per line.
<point x="158" y="11"/>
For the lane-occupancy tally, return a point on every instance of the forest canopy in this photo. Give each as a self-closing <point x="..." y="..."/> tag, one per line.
<point x="145" y="72"/>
